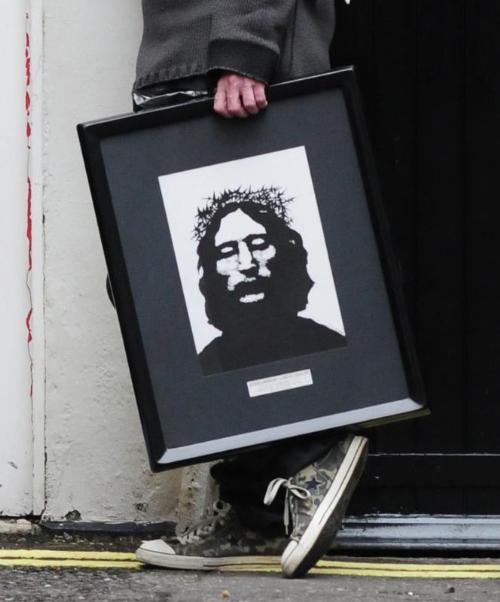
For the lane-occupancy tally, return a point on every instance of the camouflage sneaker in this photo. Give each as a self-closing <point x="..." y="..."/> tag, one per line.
<point x="218" y="541"/>
<point x="316" y="500"/>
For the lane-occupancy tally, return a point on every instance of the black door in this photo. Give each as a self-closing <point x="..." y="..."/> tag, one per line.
<point x="429" y="72"/>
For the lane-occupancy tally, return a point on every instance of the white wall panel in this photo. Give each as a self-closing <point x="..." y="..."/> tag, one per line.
<point x="16" y="462"/>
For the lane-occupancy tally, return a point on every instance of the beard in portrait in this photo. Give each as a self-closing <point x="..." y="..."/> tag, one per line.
<point x="254" y="278"/>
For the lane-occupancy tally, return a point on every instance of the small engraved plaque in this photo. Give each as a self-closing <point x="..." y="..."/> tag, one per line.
<point x="281" y="382"/>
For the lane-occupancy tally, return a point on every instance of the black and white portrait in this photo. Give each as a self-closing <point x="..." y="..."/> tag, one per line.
<point x="253" y="262"/>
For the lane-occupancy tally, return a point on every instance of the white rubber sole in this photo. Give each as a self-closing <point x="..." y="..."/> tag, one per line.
<point x="199" y="563"/>
<point x="297" y="558"/>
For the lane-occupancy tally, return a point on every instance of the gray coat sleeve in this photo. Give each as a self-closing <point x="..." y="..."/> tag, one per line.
<point x="246" y="36"/>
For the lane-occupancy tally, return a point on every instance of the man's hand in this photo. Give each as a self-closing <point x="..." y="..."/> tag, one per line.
<point x="239" y="96"/>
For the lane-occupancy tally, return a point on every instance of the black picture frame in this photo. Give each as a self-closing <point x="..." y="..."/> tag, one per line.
<point x="187" y="415"/>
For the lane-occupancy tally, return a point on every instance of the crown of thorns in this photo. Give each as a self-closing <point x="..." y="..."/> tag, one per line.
<point x="270" y="197"/>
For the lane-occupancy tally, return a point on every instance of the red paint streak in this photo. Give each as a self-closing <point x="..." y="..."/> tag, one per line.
<point x="28" y="135"/>
<point x="28" y="325"/>
<point x="29" y="228"/>
<point x="28" y="58"/>
<point x="29" y="233"/>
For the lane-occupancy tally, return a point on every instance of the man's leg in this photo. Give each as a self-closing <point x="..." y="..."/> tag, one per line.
<point x="307" y="482"/>
<point x="243" y="479"/>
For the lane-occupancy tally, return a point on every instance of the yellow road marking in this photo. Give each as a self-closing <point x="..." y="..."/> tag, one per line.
<point x="62" y="563"/>
<point x="67" y="554"/>
<point x="424" y="574"/>
<point x="429" y="574"/>
<point x="410" y="566"/>
<point x="352" y="568"/>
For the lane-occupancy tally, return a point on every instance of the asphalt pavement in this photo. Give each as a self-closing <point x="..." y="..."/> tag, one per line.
<point x="45" y="567"/>
<point x="31" y="584"/>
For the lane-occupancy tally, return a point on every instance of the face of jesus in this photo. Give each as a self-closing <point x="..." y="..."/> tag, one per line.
<point x="243" y="254"/>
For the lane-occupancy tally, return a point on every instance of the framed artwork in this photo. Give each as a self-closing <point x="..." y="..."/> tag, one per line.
<point x="252" y="271"/>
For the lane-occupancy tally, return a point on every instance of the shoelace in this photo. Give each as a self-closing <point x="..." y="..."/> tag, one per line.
<point x="291" y="490"/>
<point x="207" y="525"/>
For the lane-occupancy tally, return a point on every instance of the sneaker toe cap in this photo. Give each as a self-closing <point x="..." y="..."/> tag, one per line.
<point x="155" y="546"/>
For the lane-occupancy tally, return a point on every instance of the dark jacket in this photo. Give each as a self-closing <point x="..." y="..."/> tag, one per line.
<point x="269" y="40"/>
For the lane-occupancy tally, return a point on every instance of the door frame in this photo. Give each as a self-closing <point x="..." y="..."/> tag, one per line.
<point x="420" y="532"/>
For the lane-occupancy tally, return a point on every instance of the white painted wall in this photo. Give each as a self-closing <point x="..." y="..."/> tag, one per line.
<point x="16" y="451"/>
<point x="96" y="460"/>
